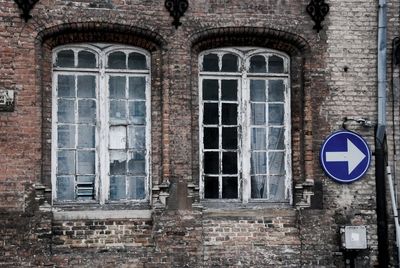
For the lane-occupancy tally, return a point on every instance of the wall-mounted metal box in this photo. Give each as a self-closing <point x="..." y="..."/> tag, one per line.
<point x="6" y="100"/>
<point x="353" y="237"/>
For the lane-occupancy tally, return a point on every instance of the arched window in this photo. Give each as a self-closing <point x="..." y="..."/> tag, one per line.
<point x="245" y="149"/>
<point x="101" y="123"/>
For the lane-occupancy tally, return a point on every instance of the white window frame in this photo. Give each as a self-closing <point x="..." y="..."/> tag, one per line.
<point x="102" y="164"/>
<point x="244" y="138"/>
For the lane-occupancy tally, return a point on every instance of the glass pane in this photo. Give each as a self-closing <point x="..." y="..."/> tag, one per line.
<point x="117" y="112"/>
<point x="276" y="90"/>
<point x="117" y="60"/>
<point x="277" y="188"/>
<point x="210" y="89"/>
<point x="258" y="114"/>
<point x="86" y="136"/>
<point x="229" y="187"/>
<point x="229" y="137"/>
<point x="66" y="136"/>
<point x="87" y="111"/>
<point x="276" y="163"/>
<point x="65" y="58"/>
<point x="258" y="64"/>
<point x="66" y="86"/>
<point x="229" y="90"/>
<point x="229" y="63"/>
<point x="259" y="163"/>
<point x="136" y="137"/>
<point x="137" y="112"/>
<point x="258" y="138"/>
<point x="211" y="187"/>
<point x="211" y="162"/>
<point x="276" y="138"/>
<point x="66" y="111"/>
<point x="257" y="90"/>
<point x="65" y="188"/>
<point x="229" y="162"/>
<point x="86" y="59"/>
<point x="210" y="138"/>
<point x="210" y="63"/>
<point x="210" y="116"/>
<point x="118" y="137"/>
<point x="136" y="188"/>
<point x="117" y="162"/>
<point x="137" y="88"/>
<point x="276" y="114"/>
<point x="117" y="87"/>
<point x="229" y="114"/>
<point x="117" y="187"/>
<point x="85" y="187"/>
<point x="137" y="61"/>
<point x="275" y="64"/>
<point x="86" y="162"/>
<point x="137" y="163"/>
<point x="87" y="86"/>
<point x="65" y="162"/>
<point x="259" y="187"/>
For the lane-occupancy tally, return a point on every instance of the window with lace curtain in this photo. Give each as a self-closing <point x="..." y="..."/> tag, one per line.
<point x="244" y="122"/>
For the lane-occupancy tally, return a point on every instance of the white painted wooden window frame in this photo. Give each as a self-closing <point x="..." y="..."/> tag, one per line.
<point x="244" y="109"/>
<point x="102" y="125"/>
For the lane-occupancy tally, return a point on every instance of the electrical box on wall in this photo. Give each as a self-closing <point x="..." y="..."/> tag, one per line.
<point x="353" y="237"/>
<point x="7" y="100"/>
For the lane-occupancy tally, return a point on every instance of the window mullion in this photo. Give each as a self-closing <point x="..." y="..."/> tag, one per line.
<point x="103" y="180"/>
<point x="245" y="141"/>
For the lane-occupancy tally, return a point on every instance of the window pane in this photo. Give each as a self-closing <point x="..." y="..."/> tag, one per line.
<point x="117" y="187"/>
<point x="276" y="138"/>
<point x="86" y="136"/>
<point x="229" y="138"/>
<point x="210" y="138"/>
<point x="229" y="90"/>
<point x="229" y="63"/>
<point x="137" y="163"/>
<point x="229" y="114"/>
<point x="86" y="86"/>
<point x="86" y="59"/>
<point x="258" y="114"/>
<point x="276" y="163"/>
<point x="257" y="90"/>
<point x="259" y="163"/>
<point x="276" y="114"/>
<point x="276" y="90"/>
<point x="210" y="116"/>
<point x="277" y="188"/>
<point x="66" y="136"/>
<point x="117" y="87"/>
<point x="86" y="162"/>
<point x="65" y="58"/>
<point x="65" y="162"/>
<point x="65" y="188"/>
<point x="136" y="188"/>
<point x="258" y="138"/>
<point x="87" y="111"/>
<point x="211" y="187"/>
<point x="210" y="89"/>
<point x="118" y="137"/>
<point x="66" y="111"/>
<point x="211" y="162"/>
<point x="136" y="137"/>
<point x="117" y="111"/>
<point x="66" y="86"/>
<point x="117" y="162"/>
<point x="117" y="60"/>
<point x="210" y="63"/>
<point x="275" y="64"/>
<point x="137" y="61"/>
<point x="137" y="112"/>
<point x="258" y="64"/>
<point x="259" y="187"/>
<point x="85" y="187"/>
<point x="229" y="187"/>
<point x="229" y="162"/>
<point x="137" y="88"/>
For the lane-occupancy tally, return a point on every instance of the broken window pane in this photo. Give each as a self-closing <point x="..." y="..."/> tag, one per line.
<point x="210" y="63"/>
<point x="86" y="136"/>
<point x="257" y="90"/>
<point x="276" y="163"/>
<point x="87" y="111"/>
<point x="66" y="111"/>
<point x="276" y="90"/>
<point x="86" y="86"/>
<point x="117" y="60"/>
<point x="229" y="187"/>
<point x="211" y="188"/>
<point x="117" y="187"/>
<point x="66" y="162"/>
<point x="137" y="112"/>
<point x="117" y="162"/>
<point x="277" y="188"/>
<point x="66" y="86"/>
<point x="85" y="187"/>
<point x="116" y="85"/>
<point x="136" y="137"/>
<point x="276" y="138"/>
<point x="229" y="138"/>
<point x="86" y="162"/>
<point x="117" y="112"/>
<point x="275" y="64"/>
<point x="210" y="116"/>
<point x="275" y="114"/>
<point x="259" y="186"/>
<point x="229" y="114"/>
<point x="211" y="162"/>
<point x="229" y="162"/>
<point x="118" y="137"/>
<point x="210" y="138"/>
<point x="258" y="64"/>
<point x="210" y="89"/>
<point x="137" y="88"/>
<point x="229" y="63"/>
<point x="66" y="136"/>
<point x="258" y="138"/>
<point x="65" y="188"/>
<point x="137" y="163"/>
<point x="258" y="114"/>
<point x="229" y="90"/>
<point x="86" y="59"/>
<point x="65" y="58"/>
<point x="258" y="163"/>
<point x="137" y="61"/>
<point x="136" y="188"/>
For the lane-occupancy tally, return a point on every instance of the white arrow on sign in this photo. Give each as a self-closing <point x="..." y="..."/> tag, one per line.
<point x="353" y="156"/>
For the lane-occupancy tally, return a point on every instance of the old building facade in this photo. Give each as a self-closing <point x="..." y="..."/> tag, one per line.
<point x="134" y="142"/>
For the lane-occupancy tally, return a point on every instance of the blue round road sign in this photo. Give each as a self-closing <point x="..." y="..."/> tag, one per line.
<point x="345" y="156"/>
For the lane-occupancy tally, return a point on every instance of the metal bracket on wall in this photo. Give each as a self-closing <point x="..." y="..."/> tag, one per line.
<point x="177" y="9"/>
<point x="317" y="9"/>
<point x="26" y="7"/>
